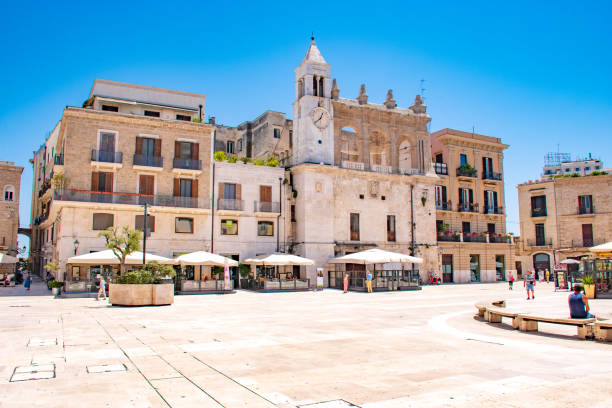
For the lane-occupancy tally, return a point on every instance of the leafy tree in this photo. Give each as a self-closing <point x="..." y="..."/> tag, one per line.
<point x="122" y="242"/>
<point x="52" y="267"/>
<point x="60" y="181"/>
<point x="152" y="272"/>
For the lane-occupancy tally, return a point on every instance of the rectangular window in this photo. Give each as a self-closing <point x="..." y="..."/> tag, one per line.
<point x="185" y="188"/>
<point x="487" y="166"/>
<point x="139" y="223"/>
<point x="110" y="108"/>
<point x="538" y="206"/>
<point x="265" y="194"/>
<point x="230" y="147"/>
<point x="587" y="235"/>
<point x="107" y="142"/>
<point x="229" y="227"/>
<point x="540" y="236"/>
<point x="491" y="228"/>
<point x="391" y="228"/>
<point x="239" y="145"/>
<point x="185" y="150"/>
<point x="102" y="221"/>
<point x="102" y="181"/>
<point x="148" y="146"/>
<point x="439" y="224"/>
<point x="439" y="158"/>
<point x="463" y="159"/>
<point x="293" y="213"/>
<point x="500" y="268"/>
<point x="466" y="199"/>
<point x="441" y="198"/>
<point x="290" y="139"/>
<point x="183" y="225"/>
<point x="186" y="118"/>
<point x="475" y="268"/>
<point x="354" y="227"/>
<point x="490" y="202"/>
<point x="466" y="227"/>
<point x="265" y="228"/>
<point x="585" y="204"/>
<point x="153" y="114"/>
<point x="229" y="191"/>
<point x="277" y="133"/>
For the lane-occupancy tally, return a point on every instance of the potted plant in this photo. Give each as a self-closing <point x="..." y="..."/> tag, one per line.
<point x="589" y="286"/>
<point x="56" y="287"/>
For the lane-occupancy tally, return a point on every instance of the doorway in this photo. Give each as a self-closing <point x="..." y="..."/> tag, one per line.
<point x="447" y="268"/>
<point x="541" y="262"/>
<point x="500" y="268"/>
<point x="475" y="268"/>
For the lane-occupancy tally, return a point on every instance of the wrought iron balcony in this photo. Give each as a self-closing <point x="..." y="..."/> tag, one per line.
<point x="188" y="164"/>
<point x="538" y="212"/>
<point x="585" y="210"/>
<point x="494" y="210"/>
<point x="539" y="242"/>
<point x="106" y="157"/>
<point x="230" y="204"/>
<point x="467" y="207"/>
<point x="491" y="175"/>
<point x="150" y="161"/>
<point x="58" y="159"/>
<point x="450" y="237"/>
<point x="474" y="237"/>
<point x="440" y="168"/>
<point x="467" y="171"/>
<point x="266" y="206"/>
<point x="130" y="199"/>
<point x="447" y="206"/>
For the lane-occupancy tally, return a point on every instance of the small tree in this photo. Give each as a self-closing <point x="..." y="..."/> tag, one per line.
<point x="60" y="181"/>
<point x="122" y="242"/>
<point x="52" y="267"/>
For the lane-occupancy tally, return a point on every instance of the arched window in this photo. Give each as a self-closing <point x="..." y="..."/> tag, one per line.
<point x="349" y="145"/>
<point x="314" y="86"/>
<point x="379" y="149"/>
<point x="405" y="155"/>
<point x="9" y="193"/>
<point x="321" y="92"/>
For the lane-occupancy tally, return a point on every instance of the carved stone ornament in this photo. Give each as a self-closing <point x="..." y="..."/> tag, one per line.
<point x="419" y="106"/>
<point x="363" y="96"/>
<point x="390" y="102"/>
<point x="335" y="92"/>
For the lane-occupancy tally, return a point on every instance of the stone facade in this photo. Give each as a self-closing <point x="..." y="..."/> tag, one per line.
<point x="10" y="183"/>
<point x="469" y="201"/>
<point x="562" y="217"/>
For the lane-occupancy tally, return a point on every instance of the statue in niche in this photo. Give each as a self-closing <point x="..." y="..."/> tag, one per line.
<point x="390" y="102"/>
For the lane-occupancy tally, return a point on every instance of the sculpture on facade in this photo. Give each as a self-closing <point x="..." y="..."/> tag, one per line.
<point x="363" y="96"/>
<point x="335" y="92"/>
<point x="390" y="102"/>
<point x="419" y="106"/>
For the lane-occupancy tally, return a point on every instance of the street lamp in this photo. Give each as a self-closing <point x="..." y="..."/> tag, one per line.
<point x="76" y="246"/>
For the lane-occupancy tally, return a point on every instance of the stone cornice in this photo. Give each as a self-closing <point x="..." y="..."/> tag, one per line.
<point x="459" y="141"/>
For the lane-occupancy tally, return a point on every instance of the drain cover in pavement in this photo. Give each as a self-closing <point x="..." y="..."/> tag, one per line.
<point x="33" y="372"/>
<point x="35" y="342"/>
<point x="330" y="404"/>
<point x="106" y="368"/>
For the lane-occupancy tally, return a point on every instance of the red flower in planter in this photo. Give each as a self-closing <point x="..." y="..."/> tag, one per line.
<point x="474" y="234"/>
<point x="448" y="232"/>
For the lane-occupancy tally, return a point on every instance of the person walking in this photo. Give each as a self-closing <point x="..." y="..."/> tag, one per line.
<point x="319" y="281"/>
<point x="102" y="290"/>
<point x="547" y="274"/>
<point x="579" y="304"/>
<point x="26" y="280"/>
<point x="511" y="282"/>
<point x="529" y="284"/>
<point x="369" y="281"/>
<point x="346" y="281"/>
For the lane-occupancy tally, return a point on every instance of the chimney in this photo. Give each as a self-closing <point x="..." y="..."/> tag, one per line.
<point x="211" y="120"/>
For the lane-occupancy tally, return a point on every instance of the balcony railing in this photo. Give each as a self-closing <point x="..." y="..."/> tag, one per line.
<point x="106" y="157"/>
<point x="470" y="237"/>
<point x="586" y="243"/>
<point x="491" y="175"/>
<point x="58" y="159"/>
<point x="230" y="204"/>
<point x="494" y="239"/>
<point x="440" y="168"/>
<point x="266" y="206"/>
<point x="538" y="212"/>
<point x="467" y="172"/>
<point x="189" y="164"/>
<point x="410" y="171"/>
<point x="447" y="206"/>
<point x="379" y="168"/>
<point x="130" y="199"/>
<point x="585" y="210"/>
<point x="539" y="242"/>
<point x="150" y="161"/>
<point x="450" y="237"/>
<point x="345" y="164"/>
<point x="494" y="210"/>
<point x="467" y="207"/>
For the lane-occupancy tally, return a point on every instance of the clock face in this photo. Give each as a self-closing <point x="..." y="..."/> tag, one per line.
<point x="320" y="117"/>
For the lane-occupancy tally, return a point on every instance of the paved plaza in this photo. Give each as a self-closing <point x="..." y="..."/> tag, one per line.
<point x="381" y="350"/>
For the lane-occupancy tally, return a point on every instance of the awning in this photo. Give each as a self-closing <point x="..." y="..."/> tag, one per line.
<point x="603" y="249"/>
<point x="204" y="258"/>
<point x="7" y="259"/>
<point x="376" y="256"/>
<point x="107" y="257"/>
<point x="279" y="259"/>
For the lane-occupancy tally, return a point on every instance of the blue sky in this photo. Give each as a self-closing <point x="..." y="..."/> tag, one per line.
<point x="536" y="74"/>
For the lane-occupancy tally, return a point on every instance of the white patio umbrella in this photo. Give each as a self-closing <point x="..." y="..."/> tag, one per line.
<point x="204" y="258"/>
<point x="603" y="250"/>
<point x="7" y="259"/>
<point x="570" y="261"/>
<point x="107" y="257"/>
<point x="376" y="256"/>
<point x="279" y="260"/>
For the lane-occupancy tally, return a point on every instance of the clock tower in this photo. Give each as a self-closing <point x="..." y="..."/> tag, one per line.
<point x="313" y="130"/>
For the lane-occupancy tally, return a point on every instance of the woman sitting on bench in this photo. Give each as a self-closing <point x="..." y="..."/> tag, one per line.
<point x="579" y="304"/>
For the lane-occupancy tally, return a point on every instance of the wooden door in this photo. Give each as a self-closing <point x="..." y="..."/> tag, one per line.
<point x="147" y="185"/>
<point x="265" y="194"/>
<point x="447" y="268"/>
<point x="587" y="235"/>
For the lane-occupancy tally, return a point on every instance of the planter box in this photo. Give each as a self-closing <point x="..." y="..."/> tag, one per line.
<point x="141" y="295"/>
<point x="589" y="291"/>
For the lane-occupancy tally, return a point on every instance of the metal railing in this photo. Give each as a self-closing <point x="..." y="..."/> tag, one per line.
<point x="345" y="164"/>
<point x="188" y="164"/>
<point x="212" y="285"/>
<point x="440" y="168"/>
<point x="379" y="168"/>
<point x="130" y="199"/>
<point x="468" y="208"/>
<point x="470" y="237"/>
<point x="538" y="212"/>
<point x="277" y="284"/>
<point x="585" y="210"/>
<point x="539" y="242"/>
<point x="384" y="280"/>
<point x="410" y="172"/>
<point x="447" y="206"/>
<point x="266" y="206"/>
<point x="106" y="157"/>
<point x="58" y="159"/>
<point x="150" y="161"/>
<point x="230" y="204"/>
<point x="467" y="172"/>
<point x="586" y="243"/>
<point x="491" y="175"/>
<point x="494" y="210"/>
<point x="450" y="237"/>
<point x="494" y="239"/>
